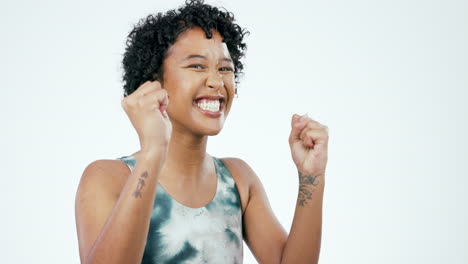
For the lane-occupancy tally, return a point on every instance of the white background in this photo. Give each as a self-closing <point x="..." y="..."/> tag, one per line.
<point x="389" y="79"/>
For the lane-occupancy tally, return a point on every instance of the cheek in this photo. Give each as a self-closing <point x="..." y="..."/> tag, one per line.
<point x="230" y="97"/>
<point x="176" y="83"/>
<point x="230" y="85"/>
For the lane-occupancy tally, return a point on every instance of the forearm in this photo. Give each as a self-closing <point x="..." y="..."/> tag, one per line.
<point x="123" y="237"/>
<point x="303" y="243"/>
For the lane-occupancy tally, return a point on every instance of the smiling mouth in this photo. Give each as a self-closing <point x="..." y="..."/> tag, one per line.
<point x="210" y="107"/>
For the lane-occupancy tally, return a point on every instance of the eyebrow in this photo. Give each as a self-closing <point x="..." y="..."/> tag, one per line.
<point x="204" y="58"/>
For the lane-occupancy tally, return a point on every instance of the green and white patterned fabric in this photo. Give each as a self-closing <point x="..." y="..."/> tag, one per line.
<point x="184" y="235"/>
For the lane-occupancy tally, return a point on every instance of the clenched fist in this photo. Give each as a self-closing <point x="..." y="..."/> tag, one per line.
<point x="309" y="145"/>
<point x="146" y="109"/>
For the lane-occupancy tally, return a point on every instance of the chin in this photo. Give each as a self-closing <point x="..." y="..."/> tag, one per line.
<point x="211" y="131"/>
<point x="210" y="126"/>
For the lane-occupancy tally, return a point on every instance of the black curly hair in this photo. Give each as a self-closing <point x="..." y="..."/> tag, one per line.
<point x="147" y="44"/>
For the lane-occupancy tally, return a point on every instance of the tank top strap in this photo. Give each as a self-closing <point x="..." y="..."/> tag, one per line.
<point x="228" y="194"/>
<point x="129" y="160"/>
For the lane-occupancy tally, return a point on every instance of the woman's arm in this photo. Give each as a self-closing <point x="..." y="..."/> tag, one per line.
<point x="303" y="244"/>
<point x="263" y="233"/>
<point x="309" y="148"/>
<point x="113" y="221"/>
<point x="113" y="228"/>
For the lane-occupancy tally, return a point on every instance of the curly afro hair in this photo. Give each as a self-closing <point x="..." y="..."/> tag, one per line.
<point x="147" y="44"/>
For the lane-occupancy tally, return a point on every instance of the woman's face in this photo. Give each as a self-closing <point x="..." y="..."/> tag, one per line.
<point x="199" y="79"/>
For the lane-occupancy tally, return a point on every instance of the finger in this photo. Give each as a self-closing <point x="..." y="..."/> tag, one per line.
<point x="313" y="126"/>
<point x="158" y="95"/>
<point x="294" y="119"/>
<point x="311" y="137"/>
<point x="153" y="100"/>
<point x="143" y="87"/>
<point x="148" y="87"/>
<point x="296" y="129"/>
<point x="162" y="101"/>
<point x="161" y="97"/>
<point x="310" y="120"/>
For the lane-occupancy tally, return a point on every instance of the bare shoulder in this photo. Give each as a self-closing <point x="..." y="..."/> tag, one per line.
<point x="104" y="175"/>
<point x="243" y="175"/>
<point x="238" y="165"/>
<point x="97" y="193"/>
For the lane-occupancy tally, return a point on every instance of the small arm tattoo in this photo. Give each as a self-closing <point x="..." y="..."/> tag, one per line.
<point x="305" y="187"/>
<point x="141" y="184"/>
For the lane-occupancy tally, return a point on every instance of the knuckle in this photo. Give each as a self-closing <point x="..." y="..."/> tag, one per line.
<point x="142" y="87"/>
<point x="155" y="85"/>
<point x="162" y="92"/>
<point x="141" y="102"/>
<point x="125" y="102"/>
<point x="312" y="125"/>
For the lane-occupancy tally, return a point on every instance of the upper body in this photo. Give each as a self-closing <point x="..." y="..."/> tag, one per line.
<point x="196" y="232"/>
<point x="180" y="96"/>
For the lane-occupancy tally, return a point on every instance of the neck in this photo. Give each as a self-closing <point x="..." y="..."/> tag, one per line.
<point x="187" y="158"/>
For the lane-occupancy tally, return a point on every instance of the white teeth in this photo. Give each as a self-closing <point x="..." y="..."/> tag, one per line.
<point x="209" y="105"/>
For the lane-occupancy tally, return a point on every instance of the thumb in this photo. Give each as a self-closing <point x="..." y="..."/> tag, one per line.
<point x="296" y="128"/>
<point x="294" y="119"/>
<point x="163" y="101"/>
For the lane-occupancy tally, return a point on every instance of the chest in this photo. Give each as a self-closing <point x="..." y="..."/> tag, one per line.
<point x="222" y="177"/>
<point x="209" y="234"/>
<point x="191" y="195"/>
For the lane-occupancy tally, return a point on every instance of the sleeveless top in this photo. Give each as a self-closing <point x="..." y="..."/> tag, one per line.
<point x="185" y="235"/>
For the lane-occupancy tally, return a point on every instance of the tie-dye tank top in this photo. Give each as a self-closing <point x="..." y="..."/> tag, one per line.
<point x="185" y="235"/>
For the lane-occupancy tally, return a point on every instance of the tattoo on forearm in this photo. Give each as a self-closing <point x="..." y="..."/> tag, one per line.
<point x="141" y="184"/>
<point x="306" y="182"/>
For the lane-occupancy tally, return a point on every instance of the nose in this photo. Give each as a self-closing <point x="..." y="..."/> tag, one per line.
<point x="214" y="80"/>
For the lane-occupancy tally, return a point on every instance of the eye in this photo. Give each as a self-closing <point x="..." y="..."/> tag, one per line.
<point x="197" y="66"/>
<point x="226" y="69"/>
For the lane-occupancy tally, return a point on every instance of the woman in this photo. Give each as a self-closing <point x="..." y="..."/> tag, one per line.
<point x="171" y="202"/>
